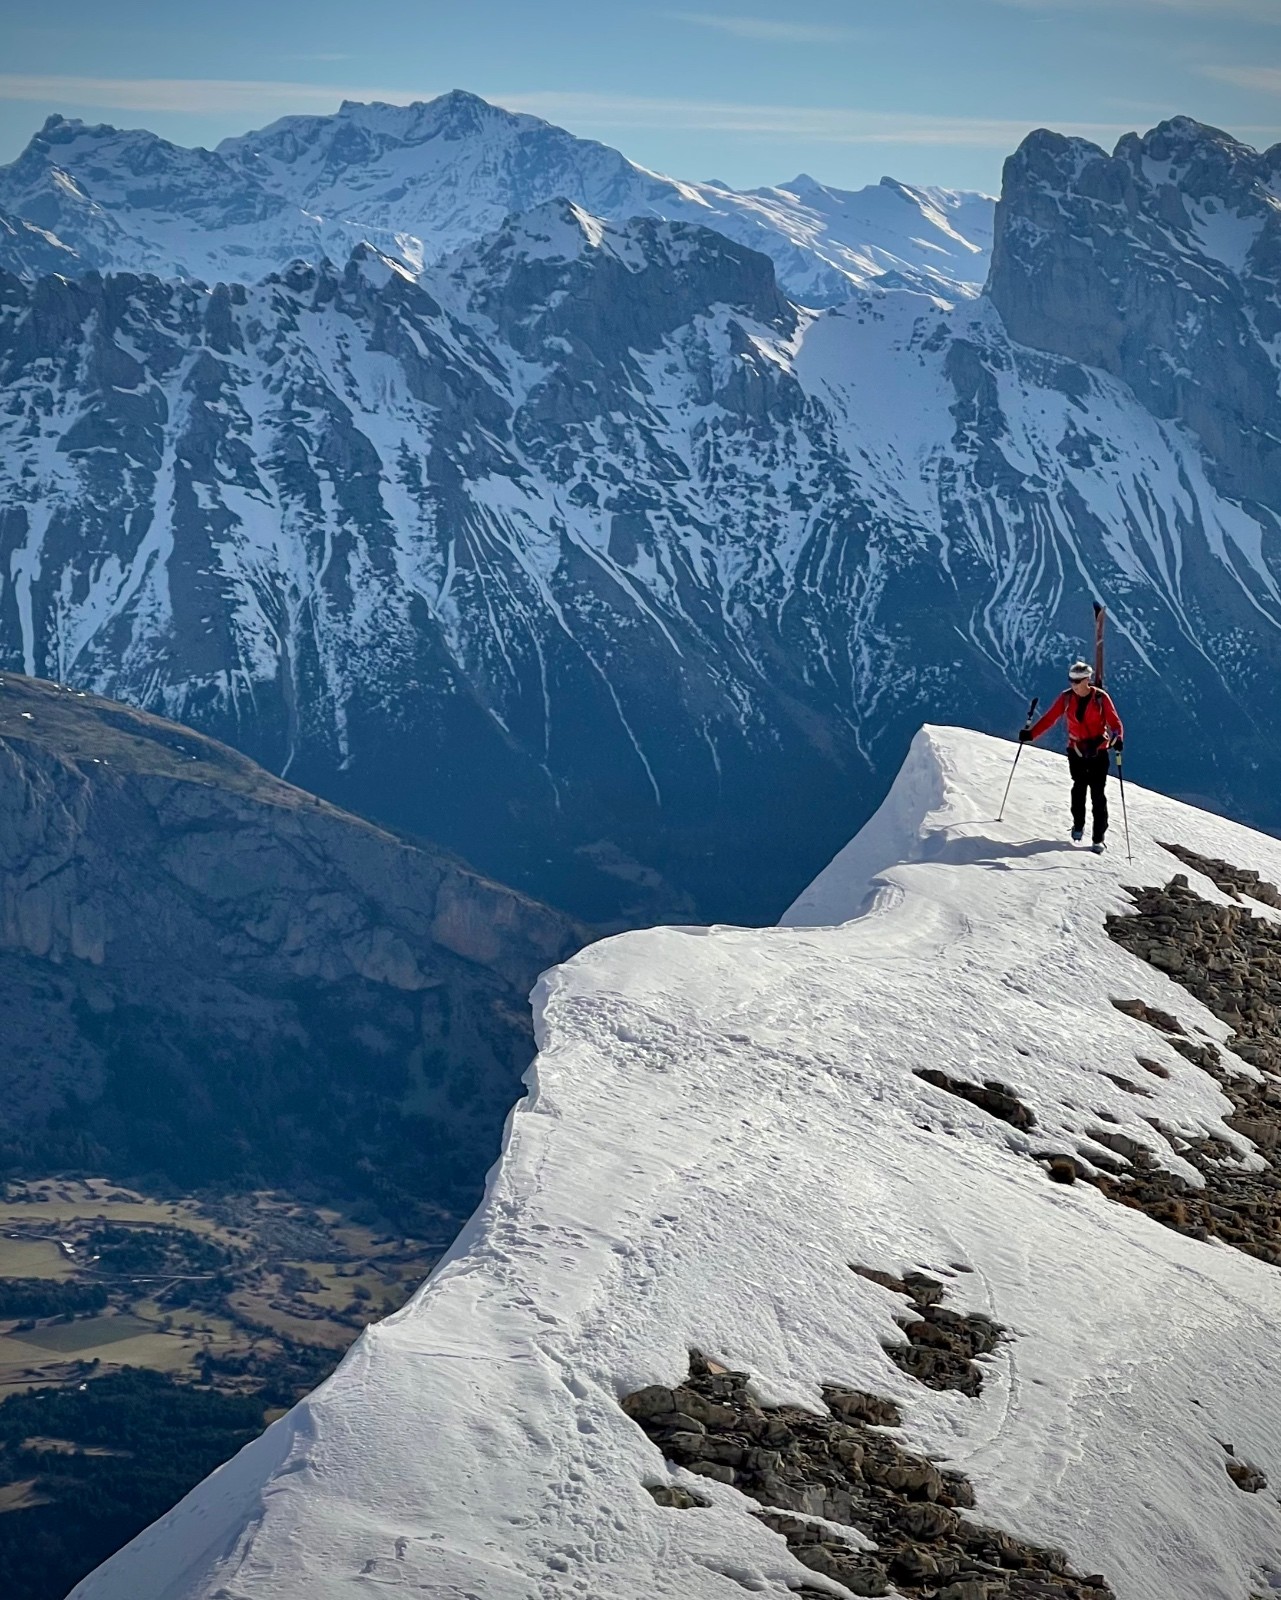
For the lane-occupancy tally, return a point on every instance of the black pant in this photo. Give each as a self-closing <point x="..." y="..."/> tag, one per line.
<point x="1089" y="772"/>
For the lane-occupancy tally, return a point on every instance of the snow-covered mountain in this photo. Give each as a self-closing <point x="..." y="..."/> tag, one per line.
<point x="421" y="181"/>
<point x="596" y="558"/>
<point x="821" y="1157"/>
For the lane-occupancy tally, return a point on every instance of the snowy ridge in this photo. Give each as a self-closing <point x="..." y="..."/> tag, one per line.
<point x="721" y="1121"/>
<point x="421" y="181"/>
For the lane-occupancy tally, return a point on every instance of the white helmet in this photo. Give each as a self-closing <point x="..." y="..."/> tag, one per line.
<point x="1080" y="670"/>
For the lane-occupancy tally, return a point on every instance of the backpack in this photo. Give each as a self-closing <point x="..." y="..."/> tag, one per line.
<point x="1091" y="745"/>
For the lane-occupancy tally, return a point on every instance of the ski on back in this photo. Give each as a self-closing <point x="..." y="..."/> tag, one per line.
<point x="1100" y="618"/>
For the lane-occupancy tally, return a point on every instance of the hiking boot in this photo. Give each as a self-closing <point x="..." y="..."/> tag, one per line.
<point x="1098" y="847"/>
<point x="1077" y="835"/>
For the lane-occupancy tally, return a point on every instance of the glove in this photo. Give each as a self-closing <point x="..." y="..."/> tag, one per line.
<point x="1118" y="745"/>
<point x="1025" y="736"/>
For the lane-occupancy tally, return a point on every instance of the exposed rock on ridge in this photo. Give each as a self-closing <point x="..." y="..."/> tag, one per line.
<point x="1230" y="960"/>
<point x="845" y="1468"/>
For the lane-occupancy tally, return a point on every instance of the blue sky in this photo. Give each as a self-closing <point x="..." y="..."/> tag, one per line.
<point x="928" y="90"/>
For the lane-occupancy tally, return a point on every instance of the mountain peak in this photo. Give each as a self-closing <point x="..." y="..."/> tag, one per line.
<point x="557" y="229"/>
<point x="372" y="267"/>
<point x="1045" y="152"/>
<point x="457" y="114"/>
<point x="423" y="180"/>
<point x="557" y="232"/>
<point x="1177" y="141"/>
<point x="1184" y="132"/>
<point x="464" y="98"/>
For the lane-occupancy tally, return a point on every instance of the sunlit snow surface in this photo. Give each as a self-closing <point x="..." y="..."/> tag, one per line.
<point x="719" y="1121"/>
<point x="421" y="181"/>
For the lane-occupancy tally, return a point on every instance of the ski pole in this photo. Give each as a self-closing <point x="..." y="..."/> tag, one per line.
<point x="1120" y="774"/>
<point x="1031" y="712"/>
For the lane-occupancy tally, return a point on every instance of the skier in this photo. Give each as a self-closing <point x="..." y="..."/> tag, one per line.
<point x="1094" y="730"/>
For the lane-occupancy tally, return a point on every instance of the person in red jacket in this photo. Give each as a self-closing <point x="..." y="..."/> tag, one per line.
<point x="1094" y="730"/>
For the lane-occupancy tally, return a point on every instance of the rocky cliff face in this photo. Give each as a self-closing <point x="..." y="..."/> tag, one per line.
<point x="1159" y="264"/>
<point x="210" y="975"/>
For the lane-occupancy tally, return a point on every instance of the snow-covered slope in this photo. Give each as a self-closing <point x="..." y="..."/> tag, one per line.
<point x="925" y="237"/>
<point x="127" y="199"/>
<point x="721" y="1122"/>
<point x="423" y="180"/>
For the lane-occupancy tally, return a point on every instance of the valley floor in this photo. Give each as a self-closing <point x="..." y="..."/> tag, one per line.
<point x="133" y="1316"/>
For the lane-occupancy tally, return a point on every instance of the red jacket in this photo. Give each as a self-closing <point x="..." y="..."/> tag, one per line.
<point x="1091" y="722"/>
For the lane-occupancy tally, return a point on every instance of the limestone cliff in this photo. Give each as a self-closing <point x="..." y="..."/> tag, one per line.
<point x="207" y="974"/>
<point x="1159" y="264"/>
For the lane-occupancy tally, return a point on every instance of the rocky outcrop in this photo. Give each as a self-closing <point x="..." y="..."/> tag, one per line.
<point x="942" y="1344"/>
<point x="1230" y="959"/>
<point x="809" y="1471"/>
<point x="208" y="974"/>
<point x="1242" y="883"/>
<point x="994" y="1097"/>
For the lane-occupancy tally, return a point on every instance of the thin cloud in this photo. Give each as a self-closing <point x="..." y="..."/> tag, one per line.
<point x="601" y="114"/>
<point x="601" y="111"/>
<point x="1266" y="78"/>
<point x="605" y="114"/>
<point x="768" y="29"/>
<point x="817" y="123"/>
<point x="1253" y="10"/>
<point x="197" y="95"/>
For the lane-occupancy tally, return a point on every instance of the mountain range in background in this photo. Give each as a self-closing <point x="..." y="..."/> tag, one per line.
<point x="623" y="543"/>
<point x="420" y="181"/>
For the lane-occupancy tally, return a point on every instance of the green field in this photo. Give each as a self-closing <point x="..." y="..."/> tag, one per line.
<point x="33" y="1258"/>
<point x="68" y="1338"/>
